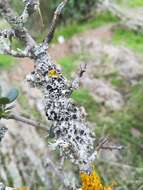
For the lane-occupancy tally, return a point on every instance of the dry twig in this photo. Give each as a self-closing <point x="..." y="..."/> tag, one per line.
<point x="103" y="145"/>
<point x="25" y="120"/>
<point x="55" y="21"/>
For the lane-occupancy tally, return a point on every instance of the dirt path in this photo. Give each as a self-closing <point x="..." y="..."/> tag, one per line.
<point x="58" y="51"/>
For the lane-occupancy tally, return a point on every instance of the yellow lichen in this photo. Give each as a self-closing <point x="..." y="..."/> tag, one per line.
<point x="53" y="74"/>
<point x="92" y="182"/>
<point x="23" y="188"/>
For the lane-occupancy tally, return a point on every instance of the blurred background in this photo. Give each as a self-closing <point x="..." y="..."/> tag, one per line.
<point x="111" y="93"/>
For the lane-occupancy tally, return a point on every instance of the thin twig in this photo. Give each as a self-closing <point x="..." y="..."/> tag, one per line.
<point x="55" y="21"/>
<point x="82" y="70"/>
<point x="28" y="121"/>
<point x="76" y="82"/>
<point x="102" y="145"/>
<point x="115" y="147"/>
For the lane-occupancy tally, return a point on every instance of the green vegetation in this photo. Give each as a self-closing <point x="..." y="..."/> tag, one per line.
<point x="70" y="63"/>
<point x="76" y="27"/>
<point x="17" y="5"/>
<point x="131" y="3"/>
<point x="75" y="10"/>
<point x="83" y="98"/>
<point x="6" y="61"/>
<point x="23" y="100"/>
<point x="129" y="39"/>
<point x="135" y="3"/>
<point x="121" y="123"/>
<point x="117" y="82"/>
<point x="3" y="24"/>
<point x="135" y="105"/>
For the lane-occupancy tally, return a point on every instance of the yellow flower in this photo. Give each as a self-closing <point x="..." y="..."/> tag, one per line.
<point x="92" y="182"/>
<point x="53" y="74"/>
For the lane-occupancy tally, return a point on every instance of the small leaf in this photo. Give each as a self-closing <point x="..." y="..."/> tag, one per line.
<point x="12" y="94"/>
<point x="4" y="101"/>
<point x="4" y="114"/>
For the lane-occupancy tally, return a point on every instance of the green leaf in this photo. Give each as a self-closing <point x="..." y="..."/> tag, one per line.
<point x="12" y="94"/>
<point x="6" y="114"/>
<point x="4" y="101"/>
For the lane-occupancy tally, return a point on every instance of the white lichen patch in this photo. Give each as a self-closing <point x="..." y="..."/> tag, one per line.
<point x="72" y="136"/>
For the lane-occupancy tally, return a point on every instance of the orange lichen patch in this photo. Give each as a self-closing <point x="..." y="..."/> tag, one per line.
<point x="92" y="182"/>
<point x="23" y="188"/>
<point x="53" y="74"/>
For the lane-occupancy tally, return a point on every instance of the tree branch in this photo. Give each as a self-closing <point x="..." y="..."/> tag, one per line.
<point x="6" y="44"/>
<point x="22" y="119"/>
<point x="16" y="53"/>
<point x="7" y="33"/>
<point x="20" y="31"/>
<point x="55" y="21"/>
<point x="76" y="81"/>
<point x="30" y="7"/>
